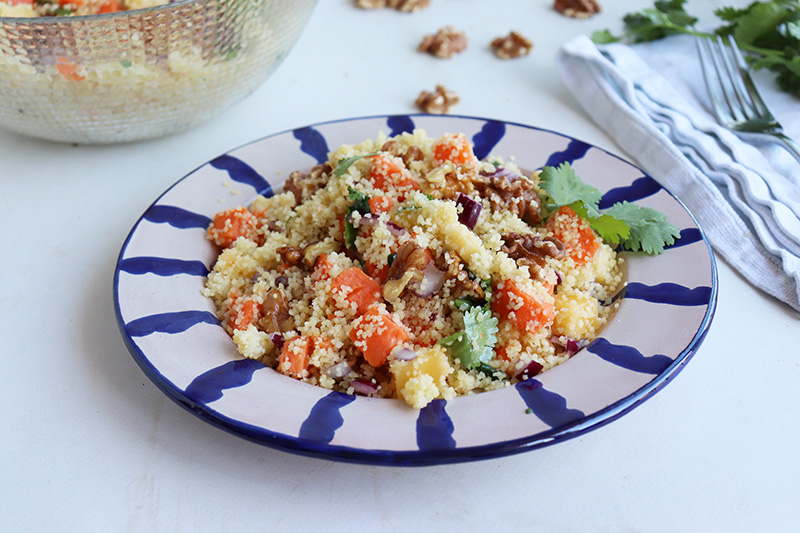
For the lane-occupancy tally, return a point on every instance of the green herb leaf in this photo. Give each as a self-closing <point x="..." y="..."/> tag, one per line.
<point x="360" y="203"/>
<point x="767" y="32"/>
<point x="605" y="37"/>
<point x="474" y="344"/>
<point x="636" y="228"/>
<point x="649" y="229"/>
<point x="344" y="164"/>
<point x="564" y="187"/>
<point x="490" y="372"/>
<point x="612" y="230"/>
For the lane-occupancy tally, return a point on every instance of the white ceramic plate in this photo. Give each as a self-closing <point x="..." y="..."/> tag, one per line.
<point x="171" y="330"/>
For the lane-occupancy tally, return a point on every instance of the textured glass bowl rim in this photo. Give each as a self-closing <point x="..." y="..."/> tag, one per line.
<point x="342" y="453"/>
<point x="78" y="18"/>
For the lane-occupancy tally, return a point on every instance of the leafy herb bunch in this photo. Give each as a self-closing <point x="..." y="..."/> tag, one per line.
<point x="768" y="31"/>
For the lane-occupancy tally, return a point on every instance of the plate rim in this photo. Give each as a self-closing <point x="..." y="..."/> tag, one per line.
<point x="419" y="457"/>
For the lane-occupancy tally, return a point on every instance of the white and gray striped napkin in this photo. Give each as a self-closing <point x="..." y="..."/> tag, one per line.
<point x="652" y="100"/>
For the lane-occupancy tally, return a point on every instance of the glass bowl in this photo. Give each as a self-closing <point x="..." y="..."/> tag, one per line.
<point x="143" y="73"/>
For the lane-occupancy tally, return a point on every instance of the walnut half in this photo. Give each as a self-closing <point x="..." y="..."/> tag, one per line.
<point x="438" y="102"/>
<point x="532" y="250"/>
<point x="516" y="194"/>
<point x="581" y="9"/>
<point x="445" y="43"/>
<point x="511" y="46"/>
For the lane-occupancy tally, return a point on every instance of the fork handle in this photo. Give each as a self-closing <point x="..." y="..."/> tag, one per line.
<point x="790" y="145"/>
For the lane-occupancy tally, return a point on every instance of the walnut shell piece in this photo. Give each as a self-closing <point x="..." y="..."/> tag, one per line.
<point x="445" y="43"/>
<point x="581" y="9"/>
<point x="511" y="46"/>
<point x="438" y="102"/>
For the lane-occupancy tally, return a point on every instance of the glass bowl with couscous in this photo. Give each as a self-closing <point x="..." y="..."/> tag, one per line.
<point x="106" y="71"/>
<point x="423" y="283"/>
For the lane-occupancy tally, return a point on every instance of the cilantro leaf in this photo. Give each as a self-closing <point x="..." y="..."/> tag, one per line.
<point x="344" y="164"/>
<point x="636" y="228"/>
<point x="649" y="229"/>
<point x="604" y="37"/>
<point x="474" y="345"/>
<point x="611" y="229"/>
<point x="565" y="187"/>
<point x="360" y="203"/>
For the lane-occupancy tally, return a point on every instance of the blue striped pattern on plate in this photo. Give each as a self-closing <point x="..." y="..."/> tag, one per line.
<point x="171" y="330"/>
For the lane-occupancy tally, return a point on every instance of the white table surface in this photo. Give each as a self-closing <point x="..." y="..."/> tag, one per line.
<point x="88" y="443"/>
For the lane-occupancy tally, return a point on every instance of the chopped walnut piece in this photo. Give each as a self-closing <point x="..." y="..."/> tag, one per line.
<point x="276" y="312"/>
<point x="408" y="256"/>
<point x="453" y="266"/>
<point x="392" y="147"/>
<point x="456" y="181"/>
<point x="291" y="255"/>
<point x="409" y="262"/>
<point x="532" y="250"/>
<point x="303" y="185"/>
<point x="407" y="6"/>
<point x="581" y="9"/>
<point x="445" y="43"/>
<point x="413" y="153"/>
<point x="515" y="194"/>
<point x="438" y="102"/>
<point x="511" y="46"/>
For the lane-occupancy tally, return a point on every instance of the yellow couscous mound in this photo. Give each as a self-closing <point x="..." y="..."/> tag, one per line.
<point x="60" y="8"/>
<point x="406" y="268"/>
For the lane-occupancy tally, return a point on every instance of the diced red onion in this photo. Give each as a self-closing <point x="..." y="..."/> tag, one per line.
<point x="395" y="229"/>
<point x="531" y="370"/>
<point x="559" y="277"/>
<point x="364" y="387"/>
<point x="277" y="340"/>
<point x="368" y="219"/>
<point x="501" y="172"/>
<point x="404" y="354"/>
<point x="470" y="210"/>
<point x="432" y="281"/>
<point x="571" y="346"/>
<point x="364" y="219"/>
<point x="282" y="280"/>
<point x="339" y="370"/>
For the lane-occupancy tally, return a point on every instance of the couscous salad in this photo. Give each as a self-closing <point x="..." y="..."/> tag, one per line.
<point x="404" y="267"/>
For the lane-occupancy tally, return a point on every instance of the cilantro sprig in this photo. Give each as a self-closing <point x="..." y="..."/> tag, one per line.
<point x="474" y="345"/>
<point x="666" y="17"/>
<point x="636" y="228"/>
<point x="769" y="31"/>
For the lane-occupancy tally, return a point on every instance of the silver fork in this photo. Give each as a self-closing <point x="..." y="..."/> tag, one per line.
<point x="736" y="102"/>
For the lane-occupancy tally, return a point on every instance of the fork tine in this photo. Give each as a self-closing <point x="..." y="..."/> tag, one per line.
<point x="759" y="107"/>
<point x="735" y="88"/>
<point x="713" y="82"/>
